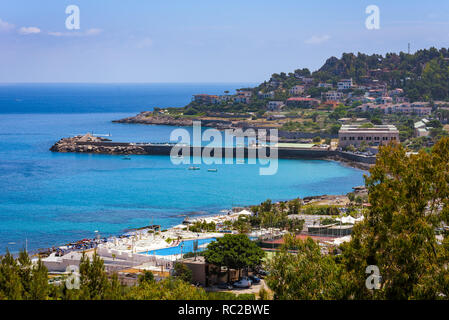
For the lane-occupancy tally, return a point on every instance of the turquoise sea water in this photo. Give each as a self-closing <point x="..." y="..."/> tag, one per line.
<point x="51" y="198"/>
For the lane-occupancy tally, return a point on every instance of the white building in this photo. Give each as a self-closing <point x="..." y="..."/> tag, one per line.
<point x="377" y="135"/>
<point x="324" y="85"/>
<point x="266" y="95"/>
<point x="332" y="96"/>
<point x="275" y="105"/>
<point x="344" y="84"/>
<point x="296" y="90"/>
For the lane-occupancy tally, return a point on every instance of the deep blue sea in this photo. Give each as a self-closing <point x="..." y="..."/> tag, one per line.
<point x="51" y="198"/>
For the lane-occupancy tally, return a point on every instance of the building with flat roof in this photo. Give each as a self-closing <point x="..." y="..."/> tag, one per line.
<point x="205" y="98"/>
<point x="301" y="102"/>
<point x="357" y="134"/>
<point x="332" y="96"/>
<point x="345" y="84"/>
<point x="275" y="105"/>
<point x="296" y="90"/>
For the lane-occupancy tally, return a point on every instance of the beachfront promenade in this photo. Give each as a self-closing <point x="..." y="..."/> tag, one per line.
<point x="145" y="249"/>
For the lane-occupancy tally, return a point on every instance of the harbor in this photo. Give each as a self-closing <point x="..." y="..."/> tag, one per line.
<point x="89" y="143"/>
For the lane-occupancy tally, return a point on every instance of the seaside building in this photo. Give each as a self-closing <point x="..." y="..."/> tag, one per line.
<point x="332" y="96"/>
<point x="266" y="95"/>
<point x="377" y="135"/>
<point x="324" y="85"/>
<point x="421" y="129"/>
<point x="245" y="93"/>
<point x="206" y="274"/>
<point x="275" y="105"/>
<point x="225" y="98"/>
<point x="384" y="100"/>
<point x="345" y="84"/>
<point x="417" y="108"/>
<point x="242" y="99"/>
<point x="297" y="90"/>
<point x="206" y="98"/>
<point x="300" y="102"/>
<point x="307" y="80"/>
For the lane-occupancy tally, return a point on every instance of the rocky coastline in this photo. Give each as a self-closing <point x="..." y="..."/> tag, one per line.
<point x="147" y="117"/>
<point x="349" y="163"/>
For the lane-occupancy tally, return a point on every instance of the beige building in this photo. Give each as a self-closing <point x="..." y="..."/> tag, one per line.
<point x="207" y="274"/>
<point x="296" y="90"/>
<point x="356" y="134"/>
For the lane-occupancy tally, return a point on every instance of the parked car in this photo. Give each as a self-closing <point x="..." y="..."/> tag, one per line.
<point x="254" y="279"/>
<point x="226" y="286"/>
<point x="243" y="283"/>
<point x="262" y="273"/>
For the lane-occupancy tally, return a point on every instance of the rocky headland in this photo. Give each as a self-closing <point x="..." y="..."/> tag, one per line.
<point x="147" y="117"/>
<point x="91" y="144"/>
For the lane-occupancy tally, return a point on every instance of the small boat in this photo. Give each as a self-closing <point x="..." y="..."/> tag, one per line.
<point x="212" y="170"/>
<point x="240" y="161"/>
<point x="126" y="158"/>
<point x="194" y="168"/>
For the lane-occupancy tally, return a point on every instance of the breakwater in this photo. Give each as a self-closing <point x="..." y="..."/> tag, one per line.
<point x="92" y="144"/>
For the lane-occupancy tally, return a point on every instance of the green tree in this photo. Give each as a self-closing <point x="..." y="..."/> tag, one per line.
<point x="183" y="272"/>
<point x="11" y="287"/>
<point x="21" y="279"/>
<point x="39" y="288"/>
<point x="409" y="197"/>
<point x="94" y="281"/>
<point x="166" y="289"/>
<point x="242" y="225"/>
<point x="306" y="274"/>
<point x="294" y="206"/>
<point x="146" y="276"/>
<point x="234" y="252"/>
<point x="295" y="225"/>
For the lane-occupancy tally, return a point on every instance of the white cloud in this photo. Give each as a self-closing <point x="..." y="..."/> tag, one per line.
<point x="93" y="32"/>
<point x="317" y="39"/>
<point x="29" y="30"/>
<point x="55" y="34"/>
<point x="90" y="32"/>
<point x="145" y="43"/>
<point x="5" y="26"/>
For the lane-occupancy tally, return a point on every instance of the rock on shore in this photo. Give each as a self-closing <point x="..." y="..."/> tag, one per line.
<point x="92" y="144"/>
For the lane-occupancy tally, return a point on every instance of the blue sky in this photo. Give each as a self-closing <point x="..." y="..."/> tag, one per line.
<point x="202" y="40"/>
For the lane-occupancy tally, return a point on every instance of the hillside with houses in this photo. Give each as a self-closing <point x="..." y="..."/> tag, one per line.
<point x="408" y="91"/>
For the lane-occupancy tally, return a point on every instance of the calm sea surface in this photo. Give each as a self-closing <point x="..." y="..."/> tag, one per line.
<point x="50" y="199"/>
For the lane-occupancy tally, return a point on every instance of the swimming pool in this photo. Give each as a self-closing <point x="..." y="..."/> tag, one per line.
<point x="186" y="245"/>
